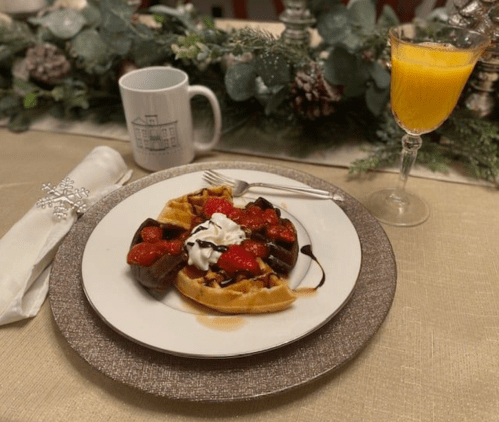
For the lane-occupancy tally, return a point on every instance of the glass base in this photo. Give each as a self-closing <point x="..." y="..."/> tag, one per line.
<point x="407" y="211"/>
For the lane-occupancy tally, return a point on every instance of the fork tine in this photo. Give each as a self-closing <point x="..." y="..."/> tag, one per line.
<point x="210" y="180"/>
<point x="214" y="179"/>
<point x="221" y="176"/>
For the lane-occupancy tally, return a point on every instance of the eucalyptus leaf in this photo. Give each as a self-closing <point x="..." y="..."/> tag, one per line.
<point x="144" y="32"/>
<point x="377" y="99"/>
<point x="103" y="69"/>
<point x="14" y="38"/>
<point x="90" y="48"/>
<point x="119" y="42"/>
<point x="335" y="27"/>
<point x="345" y="68"/>
<point x="351" y="40"/>
<point x="15" y="32"/>
<point x="354" y="89"/>
<point x="362" y="14"/>
<point x="380" y="75"/>
<point x="240" y="81"/>
<point x="64" y="24"/>
<point x="388" y="17"/>
<point x="43" y="35"/>
<point x="145" y="53"/>
<point x="115" y="15"/>
<point x="92" y="15"/>
<point x="333" y="23"/>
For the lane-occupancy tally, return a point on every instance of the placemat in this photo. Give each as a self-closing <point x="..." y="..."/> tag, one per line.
<point x="218" y="380"/>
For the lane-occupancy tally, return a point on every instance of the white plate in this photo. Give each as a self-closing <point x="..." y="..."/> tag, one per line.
<point x="170" y="324"/>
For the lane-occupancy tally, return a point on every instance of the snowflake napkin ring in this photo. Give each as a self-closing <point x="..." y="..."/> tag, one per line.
<point x="63" y="198"/>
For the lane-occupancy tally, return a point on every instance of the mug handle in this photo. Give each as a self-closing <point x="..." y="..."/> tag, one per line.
<point x="217" y="115"/>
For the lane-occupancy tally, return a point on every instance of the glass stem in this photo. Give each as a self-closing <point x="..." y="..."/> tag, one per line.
<point x="410" y="146"/>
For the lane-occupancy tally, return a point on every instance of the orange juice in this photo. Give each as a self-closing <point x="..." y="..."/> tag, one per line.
<point x="427" y="80"/>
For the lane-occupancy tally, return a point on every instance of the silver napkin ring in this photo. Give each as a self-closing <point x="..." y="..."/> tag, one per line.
<point x="63" y="198"/>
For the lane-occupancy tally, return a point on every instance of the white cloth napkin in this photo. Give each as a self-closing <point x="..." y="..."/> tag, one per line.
<point x="28" y="248"/>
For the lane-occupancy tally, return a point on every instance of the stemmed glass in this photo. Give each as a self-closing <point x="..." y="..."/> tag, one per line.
<point x="431" y="63"/>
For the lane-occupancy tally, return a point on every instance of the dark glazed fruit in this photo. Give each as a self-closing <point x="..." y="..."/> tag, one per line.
<point x="157" y="255"/>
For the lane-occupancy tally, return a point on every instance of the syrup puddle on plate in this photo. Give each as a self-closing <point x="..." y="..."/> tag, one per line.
<point x="208" y="318"/>
<point x="221" y="323"/>
<point x="211" y="319"/>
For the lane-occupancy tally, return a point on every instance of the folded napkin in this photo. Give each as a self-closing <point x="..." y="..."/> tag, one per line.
<point x="28" y="248"/>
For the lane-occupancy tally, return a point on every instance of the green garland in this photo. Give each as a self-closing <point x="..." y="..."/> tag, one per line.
<point x="67" y="63"/>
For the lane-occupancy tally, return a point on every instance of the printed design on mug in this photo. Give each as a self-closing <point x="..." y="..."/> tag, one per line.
<point x="154" y="136"/>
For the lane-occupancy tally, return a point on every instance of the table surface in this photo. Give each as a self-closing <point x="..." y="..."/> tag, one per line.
<point x="435" y="358"/>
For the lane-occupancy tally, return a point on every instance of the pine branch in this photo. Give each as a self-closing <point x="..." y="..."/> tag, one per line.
<point x="475" y="142"/>
<point x="258" y="40"/>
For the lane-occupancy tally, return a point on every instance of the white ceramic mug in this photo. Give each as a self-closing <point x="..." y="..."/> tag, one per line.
<point x="158" y="114"/>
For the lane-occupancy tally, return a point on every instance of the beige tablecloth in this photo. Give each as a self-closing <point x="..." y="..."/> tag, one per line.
<point x="435" y="358"/>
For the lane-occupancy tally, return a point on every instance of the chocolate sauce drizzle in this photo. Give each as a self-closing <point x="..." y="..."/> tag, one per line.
<point x="307" y="250"/>
<point x="208" y="244"/>
<point x="201" y="228"/>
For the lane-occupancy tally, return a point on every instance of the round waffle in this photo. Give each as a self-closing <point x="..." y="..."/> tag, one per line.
<point x="229" y="287"/>
<point x="265" y="293"/>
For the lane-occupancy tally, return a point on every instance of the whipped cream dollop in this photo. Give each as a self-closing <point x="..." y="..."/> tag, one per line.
<point x="209" y="239"/>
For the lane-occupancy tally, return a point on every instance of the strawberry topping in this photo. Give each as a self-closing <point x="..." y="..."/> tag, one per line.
<point x="220" y="205"/>
<point x="143" y="254"/>
<point x="270" y="216"/>
<point x="170" y="247"/>
<point x="236" y="259"/>
<point x="151" y="234"/>
<point x="256" y="248"/>
<point x="152" y="247"/>
<point x="284" y="233"/>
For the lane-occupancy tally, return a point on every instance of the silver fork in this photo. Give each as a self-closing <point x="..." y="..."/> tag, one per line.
<point x="239" y="187"/>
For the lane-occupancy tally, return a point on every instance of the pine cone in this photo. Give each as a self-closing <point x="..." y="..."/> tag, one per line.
<point x="313" y="95"/>
<point x="46" y="63"/>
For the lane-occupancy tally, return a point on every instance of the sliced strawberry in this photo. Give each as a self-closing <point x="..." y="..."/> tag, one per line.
<point x="236" y="214"/>
<point x="270" y="216"/>
<point x="256" y="248"/>
<point x="214" y="205"/>
<point x="151" y="234"/>
<point x="252" y="221"/>
<point x="281" y="233"/>
<point x="236" y="259"/>
<point x="170" y="247"/>
<point x="252" y="209"/>
<point x="143" y="254"/>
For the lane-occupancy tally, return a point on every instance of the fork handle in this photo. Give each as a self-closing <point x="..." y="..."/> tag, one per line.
<point x="308" y="191"/>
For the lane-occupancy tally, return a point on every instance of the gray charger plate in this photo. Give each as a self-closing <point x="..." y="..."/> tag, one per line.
<point x="242" y="378"/>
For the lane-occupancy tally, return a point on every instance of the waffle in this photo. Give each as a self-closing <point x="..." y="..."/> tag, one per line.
<point x="261" y="291"/>
<point x="181" y="212"/>
<point x="263" y="294"/>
